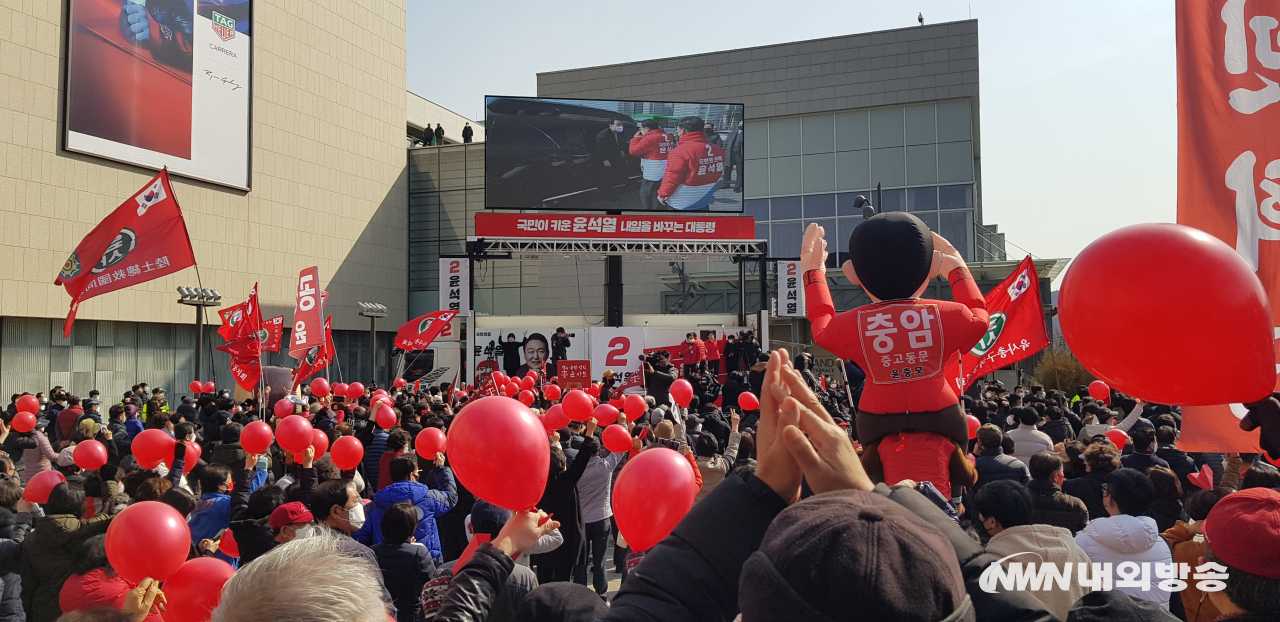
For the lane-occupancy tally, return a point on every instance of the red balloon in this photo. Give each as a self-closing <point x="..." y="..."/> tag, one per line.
<point x="347" y="452"/>
<point x="430" y="442"/>
<point x="1222" y="319"/>
<point x="652" y="493"/>
<point x="499" y="378"/>
<point x="554" y="418"/>
<point x="23" y="422"/>
<point x="355" y="391"/>
<point x="1117" y="437"/>
<point x="209" y="387"/>
<point x="195" y="386"/>
<point x="340" y="389"/>
<point x="293" y="433"/>
<point x="513" y="388"/>
<point x="526" y="398"/>
<point x="681" y="393"/>
<point x="974" y="424"/>
<point x="399" y="383"/>
<point x="748" y="401"/>
<point x="593" y="390"/>
<point x="191" y="456"/>
<point x="532" y="373"/>
<point x="618" y="403"/>
<point x="526" y="383"/>
<point x="167" y="541"/>
<point x="635" y="406"/>
<point x="256" y="437"/>
<point x="195" y="589"/>
<point x="605" y="414"/>
<point x="283" y="408"/>
<point x="40" y="485"/>
<point x="616" y="439"/>
<point x="228" y="544"/>
<point x="90" y="455"/>
<point x="28" y="404"/>
<point x="320" y="387"/>
<point x="320" y="441"/>
<point x="578" y="406"/>
<point x="552" y="392"/>
<point x="151" y="447"/>
<point x="386" y="417"/>
<point x="1099" y="390"/>
<point x="499" y="452"/>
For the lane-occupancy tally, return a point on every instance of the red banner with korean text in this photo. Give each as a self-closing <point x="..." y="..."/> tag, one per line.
<point x="418" y="333"/>
<point x="629" y="227"/>
<point x="275" y="332"/>
<point x="1229" y="161"/>
<point x="242" y="319"/>
<point x="144" y="238"/>
<point x="307" y="331"/>
<point x="1016" y="330"/>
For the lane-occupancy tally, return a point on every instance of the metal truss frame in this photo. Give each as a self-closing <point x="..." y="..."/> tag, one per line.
<point x="482" y="248"/>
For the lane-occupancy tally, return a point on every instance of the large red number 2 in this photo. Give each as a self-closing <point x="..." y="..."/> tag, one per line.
<point x="619" y="347"/>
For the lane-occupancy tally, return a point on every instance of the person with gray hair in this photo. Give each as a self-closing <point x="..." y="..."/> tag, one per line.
<point x="309" y="579"/>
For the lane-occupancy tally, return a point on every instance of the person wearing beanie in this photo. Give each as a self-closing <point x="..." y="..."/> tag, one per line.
<point x="992" y="463"/>
<point x="1242" y="532"/>
<point x="560" y="602"/>
<point x="1125" y="535"/>
<point x="487" y="520"/>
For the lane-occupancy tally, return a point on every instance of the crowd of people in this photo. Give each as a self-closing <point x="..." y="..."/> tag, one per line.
<point x="787" y="523"/>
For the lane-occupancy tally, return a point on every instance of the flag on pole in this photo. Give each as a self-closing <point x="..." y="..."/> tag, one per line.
<point x="145" y="238"/>
<point x="1016" y="330"/>
<point x="418" y="333"/>
<point x="307" y="326"/>
<point x="317" y="357"/>
<point x="243" y="319"/>
<point x="275" y="332"/>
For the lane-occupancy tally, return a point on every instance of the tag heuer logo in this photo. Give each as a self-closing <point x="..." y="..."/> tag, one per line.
<point x="224" y="26"/>
<point x="993" y="333"/>
<point x="71" y="268"/>
<point x="120" y="248"/>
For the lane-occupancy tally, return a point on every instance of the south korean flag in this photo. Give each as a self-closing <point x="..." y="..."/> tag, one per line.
<point x="152" y="195"/>
<point x="1020" y="286"/>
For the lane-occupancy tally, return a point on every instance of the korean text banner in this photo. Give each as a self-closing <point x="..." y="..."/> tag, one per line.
<point x="613" y="155"/>
<point x="162" y="83"/>
<point x="515" y="351"/>
<point x="307" y="331"/>
<point x="636" y="227"/>
<point x="455" y="285"/>
<point x="790" y="291"/>
<point x="1229" y="161"/>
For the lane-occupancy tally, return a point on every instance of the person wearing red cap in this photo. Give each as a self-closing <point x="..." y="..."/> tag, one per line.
<point x="1242" y="532"/>
<point x="291" y="521"/>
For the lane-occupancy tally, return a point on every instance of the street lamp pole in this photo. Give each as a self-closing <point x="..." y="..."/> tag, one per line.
<point x="373" y="311"/>
<point x="199" y="298"/>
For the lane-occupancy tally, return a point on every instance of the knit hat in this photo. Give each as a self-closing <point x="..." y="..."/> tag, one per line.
<point x="1243" y="530"/>
<point x="562" y="601"/>
<point x="484" y="512"/>
<point x="289" y="514"/>
<point x="852" y="555"/>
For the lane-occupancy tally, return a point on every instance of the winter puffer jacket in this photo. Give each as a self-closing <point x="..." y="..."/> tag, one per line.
<point x="48" y="557"/>
<point x="13" y="530"/>
<point x="1123" y="538"/>
<point x="433" y="502"/>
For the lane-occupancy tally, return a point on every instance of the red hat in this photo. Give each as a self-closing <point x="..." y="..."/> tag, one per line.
<point x="1243" y="530"/>
<point x="289" y="514"/>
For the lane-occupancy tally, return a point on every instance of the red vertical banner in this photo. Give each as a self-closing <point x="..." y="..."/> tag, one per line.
<point x="1229" y="160"/>
<point x="307" y="331"/>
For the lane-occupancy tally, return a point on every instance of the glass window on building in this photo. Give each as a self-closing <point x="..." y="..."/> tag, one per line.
<point x="955" y="197"/>
<point x="755" y="137"/>
<point x="852" y="133"/>
<point x="922" y="165"/>
<point x="922" y="199"/>
<point x="755" y="178"/>
<point x="819" y="172"/>
<point x="784" y="137"/>
<point x="844" y="203"/>
<point x="839" y="246"/>
<point x="930" y="219"/>
<point x="756" y="208"/>
<point x="784" y="175"/>
<point x="886" y="127"/>
<point x="895" y="200"/>
<point x="819" y="133"/>
<point x="955" y="162"/>
<point x="819" y="206"/>
<point x="955" y="227"/>
<point x="853" y="170"/>
<point x="888" y="167"/>
<point x="920" y="125"/>
<point x="784" y="208"/>
<point x="955" y="121"/>
<point x="785" y="241"/>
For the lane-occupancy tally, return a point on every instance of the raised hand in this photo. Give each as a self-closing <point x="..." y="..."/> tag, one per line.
<point x="775" y="466"/>
<point x="813" y="249"/>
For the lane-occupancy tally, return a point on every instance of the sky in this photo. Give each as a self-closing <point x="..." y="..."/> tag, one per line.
<point x="1077" y="100"/>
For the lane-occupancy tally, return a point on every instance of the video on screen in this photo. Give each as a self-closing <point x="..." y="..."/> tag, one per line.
<point x="613" y="155"/>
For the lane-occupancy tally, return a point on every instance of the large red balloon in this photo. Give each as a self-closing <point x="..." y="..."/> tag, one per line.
<point x="228" y="545"/>
<point x="552" y="392"/>
<point x="195" y="386"/>
<point x="499" y="452"/>
<point x="90" y="455"/>
<point x="526" y="397"/>
<point x="526" y="383"/>
<point x="1213" y="315"/>
<point x="195" y="589"/>
<point x="1099" y="390"/>
<point x="293" y="433"/>
<point x="974" y="424"/>
<point x="340" y="389"/>
<point x="616" y="439"/>
<point x="578" y="406"/>
<point x="347" y="452"/>
<point x="151" y="447"/>
<point x="593" y="390"/>
<point x="555" y="419"/>
<point x="355" y="391"/>
<point x="40" y="485"/>
<point x="513" y="388"/>
<point x="499" y="378"/>
<point x="28" y="404"/>
<point x="430" y="442"/>
<point x="748" y="401"/>
<point x="320" y="387"/>
<point x="320" y="441"/>
<point x="166" y="540"/>
<point x="635" y="406"/>
<point x="192" y="456"/>
<point x="652" y="493"/>
<point x="1117" y="437"/>
<point x="256" y="437"/>
<point x="605" y="414"/>
<point x="681" y="393"/>
<point x="283" y="408"/>
<point x="386" y="417"/>
<point x="209" y="387"/>
<point x="23" y="422"/>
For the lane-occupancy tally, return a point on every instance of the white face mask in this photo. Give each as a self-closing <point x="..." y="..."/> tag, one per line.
<point x="617" y="128"/>
<point x="356" y="516"/>
<point x="1009" y="419"/>
<point x="303" y="532"/>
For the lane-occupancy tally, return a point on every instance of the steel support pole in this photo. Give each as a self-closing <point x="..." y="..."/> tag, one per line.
<point x="199" y="339"/>
<point x="742" y="292"/>
<point x="373" y="350"/>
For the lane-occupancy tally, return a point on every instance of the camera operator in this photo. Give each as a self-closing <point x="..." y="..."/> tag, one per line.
<point x="659" y="373"/>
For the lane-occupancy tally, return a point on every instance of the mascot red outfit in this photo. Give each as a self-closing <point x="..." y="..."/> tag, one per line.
<point x="905" y="343"/>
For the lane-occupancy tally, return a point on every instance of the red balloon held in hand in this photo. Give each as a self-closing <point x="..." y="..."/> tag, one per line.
<point x="167" y="541"/>
<point x="293" y="433"/>
<point x="681" y="393"/>
<point x="555" y="419"/>
<point x="256" y="437"/>
<point x="748" y="401"/>
<point x="616" y="439"/>
<point x="320" y="441"/>
<point x="430" y="441"/>
<point x="578" y="406"/>
<point x="227" y="544"/>
<point x="1117" y="437"/>
<point x="195" y="386"/>
<point x="283" y="408"/>
<point x="605" y="414"/>
<point x="499" y="452"/>
<point x="386" y="417"/>
<point x="652" y="493"/>
<point x="195" y="589"/>
<point x="320" y="387"/>
<point x="635" y="406"/>
<point x="23" y="422"/>
<point x="90" y="455"/>
<point x="400" y="383"/>
<point x="28" y="404"/>
<point x="192" y="456"/>
<point x="974" y="424"/>
<point x="526" y="383"/>
<point x="40" y="485"/>
<point x="526" y="398"/>
<point x="1221" y="319"/>
<point x="151" y="447"/>
<point x="355" y="391"/>
<point x="347" y="452"/>
<point x="552" y="392"/>
<point x="593" y="390"/>
<point x="209" y="387"/>
<point x="1099" y="390"/>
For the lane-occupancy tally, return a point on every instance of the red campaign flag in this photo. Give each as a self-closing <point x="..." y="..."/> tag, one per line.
<point x="274" y="328"/>
<point x="243" y="319"/>
<point x="247" y="372"/>
<point x="244" y="348"/>
<point x="231" y="317"/>
<point x="306" y="314"/>
<point x="317" y="358"/>
<point x="417" y="334"/>
<point x="1016" y="330"/>
<point x="486" y="388"/>
<point x="145" y="238"/>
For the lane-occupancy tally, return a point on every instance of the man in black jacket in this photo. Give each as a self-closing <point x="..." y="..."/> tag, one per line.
<point x="612" y="149"/>
<point x="1051" y="505"/>
<point x="992" y="463"/>
<point x="467" y="133"/>
<point x="1179" y="461"/>
<point x="658" y="377"/>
